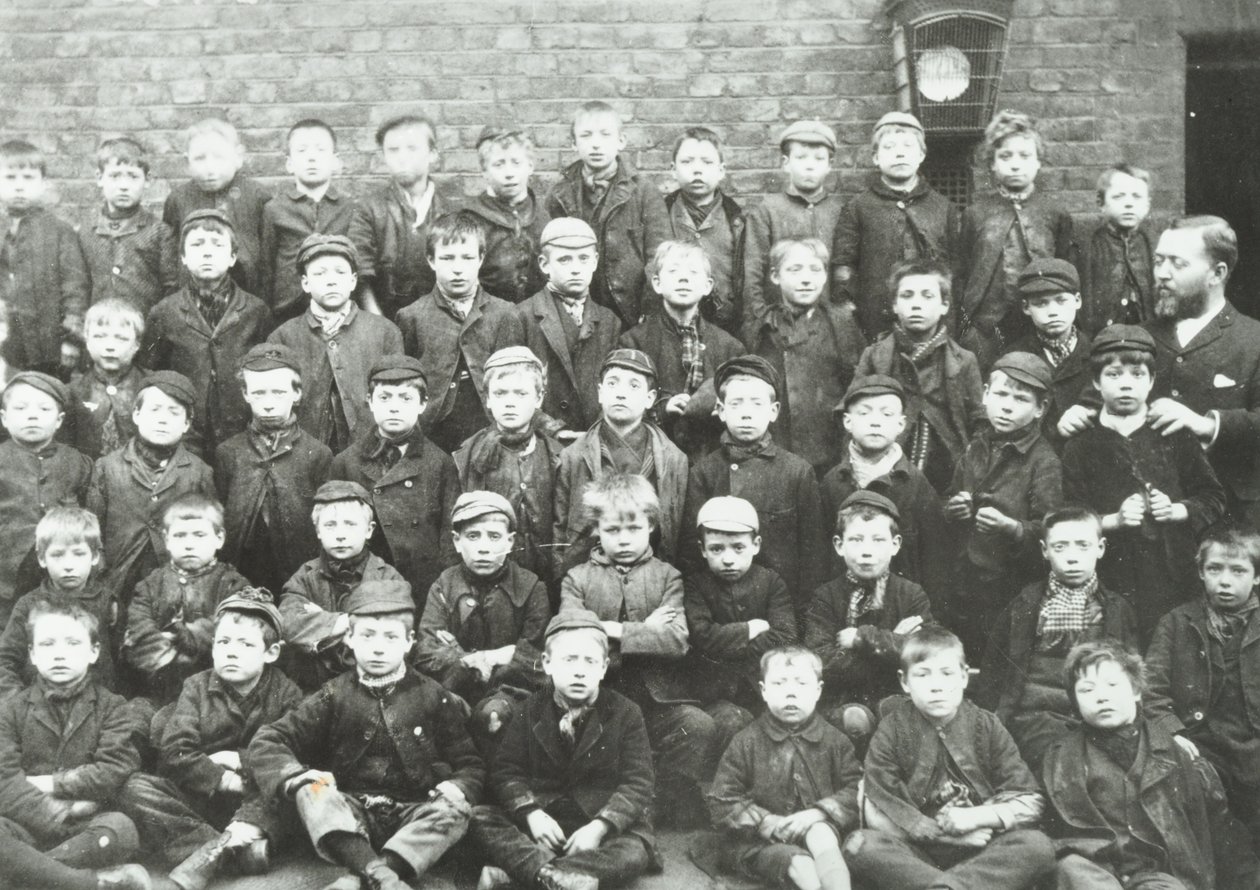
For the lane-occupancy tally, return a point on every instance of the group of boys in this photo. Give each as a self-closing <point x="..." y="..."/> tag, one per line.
<point x="546" y="490"/>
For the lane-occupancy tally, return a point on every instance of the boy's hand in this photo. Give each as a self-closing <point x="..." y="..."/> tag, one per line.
<point x="756" y="627"/>
<point x="43" y="784"/>
<point x="567" y="435"/>
<point x="231" y="783"/>
<point x="230" y="760"/>
<point x="661" y="616"/>
<point x="1186" y="745"/>
<point x="451" y="792"/>
<point x="991" y="520"/>
<point x="1076" y="419"/>
<point x="792" y="829"/>
<point x="769" y="826"/>
<point x="1168" y="416"/>
<point x="83" y="809"/>
<point x="477" y="661"/>
<point x="959" y="507"/>
<point x="1164" y="510"/>
<point x="677" y="404"/>
<point x="1132" y="510"/>
<point x="545" y="830"/>
<point x="310" y="777"/>
<point x="978" y="838"/>
<point x="908" y="625"/>
<point x="242" y="834"/>
<point x="70" y="354"/>
<point x="846" y="638"/>
<point x="957" y="821"/>
<point x="587" y="838"/>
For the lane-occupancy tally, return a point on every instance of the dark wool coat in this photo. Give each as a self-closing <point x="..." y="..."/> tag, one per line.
<point x="16" y="670"/>
<point x="390" y="248"/>
<point x="413" y="502"/>
<point x="96" y="403"/>
<point x="134" y="259"/>
<point x="510" y="269"/>
<point x="879" y="228"/>
<point x="1113" y="268"/>
<point x="179" y="339"/>
<point x="287" y="220"/>
<point x="629" y="224"/>
<point x="44" y="285"/>
<point x="572" y="376"/>
<point x="1068" y="379"/>
<point x="242" y="200"/>
<point x="335" y="728"/>
<point x="608" y="775"/>
<point x="721" y="234"/>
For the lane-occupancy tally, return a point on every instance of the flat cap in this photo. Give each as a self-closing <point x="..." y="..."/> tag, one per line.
<point x="497" y="131"/>
<point x="473" y="504"/>
<point x="809" y="132"/>
<point x="318" y="245"/>
<point x="268" y="357"/>
<point x="1117" y="337"/>
<point x="380" y="598"/>
<point x="45" y="383"/>
<point x="630" y="359"/>
<point x="864" y="497"/>
<point x="728" y="514"/>
<point x="208" y="214"/>
<point x="174" y="384"/>
<point x="1047" y="275"/>
<point x="900" y="119"/>
<point x="872" y="385"/>
<point x="512" y="355"/>
<point x="396" y="369"/>
<point x="568" y="232"/>
<point x="253" y="601"/>
<point x="745" y="366"/>
<point x="341" y="490"/>
<point x="1028" y="369"/>
<point x="575" y="619"/>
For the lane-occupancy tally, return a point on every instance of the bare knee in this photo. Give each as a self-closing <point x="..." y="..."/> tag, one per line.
<point x="803" y="873"/>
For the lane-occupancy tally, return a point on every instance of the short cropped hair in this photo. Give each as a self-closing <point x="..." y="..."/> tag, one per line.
<point x="1236" y="540"/>
<point x="124" y="151"/>
<point x="67" y="525"/>
<point x="595" y="635"/>
<point x="864" y="512"/>
<point x="618" y="494"/>
<point x="22" y="154"/>
<point x="700" y="134"/>
<point x="270" y="635"/>
<point x="455" y="226"/>
<point x="879" y="132"/>
<point x="928" y="641"/>
<point x="295" y="376"/>
<point x="309" y="123"/>
<point x="1219" y="239"/>
<point x="1105" y="178"/>
<point x="692" y="248"/>
<point x="112" y="313"/>
<point x="214" y="126"/>
<point x="407" y="120"/>
<point x="60" y="605"/>
<point x="1039" y="395"/>
<point x="1084" y="656"/>
<point x="193" y="505"/>
<point x="937" y="270"/>
<point x="1008" y="123"/>
<point x="1097" y="363"/>
<point x="514" y="139"/>
<point x="791" y="655"/>
<point x="318" y="509"/>
<point x="588" y="109"/>
<point x="536" y="371"/>
<point x="1071" y="513"/>
<point x="782" y="247"/>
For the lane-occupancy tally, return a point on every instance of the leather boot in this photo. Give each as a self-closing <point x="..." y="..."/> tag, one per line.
<point x="377" y="875"/>
<point x="252" y="859"/>
<point x="198" y="870"/>
<point x="493" y="878"/>
<point x="552" y="878"/>
<point x="124" y="877"/>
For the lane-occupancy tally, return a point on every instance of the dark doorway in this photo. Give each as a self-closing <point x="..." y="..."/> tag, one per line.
<point x="1223" y="147"/>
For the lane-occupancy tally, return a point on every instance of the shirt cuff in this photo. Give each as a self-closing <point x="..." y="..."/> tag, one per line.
<point x="1216" y="428"/>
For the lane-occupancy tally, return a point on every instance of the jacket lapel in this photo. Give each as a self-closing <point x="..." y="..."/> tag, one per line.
<point x="592" y="732"/>
<point x="549" y="324"/>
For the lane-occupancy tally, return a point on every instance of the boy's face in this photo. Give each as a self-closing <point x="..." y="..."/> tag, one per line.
<point x="484" y="543"/>
<point x="597" y="138"/>
<point x="112" y="346"/>
<point x="576" y="663"/>
<point x="806" y="166"/>
<point x="271" y="396"/>
<point x="698" y="169"/>
<point x="875" y="422"/>
<point x="330" y="281"/>
<point x="867" y="546"/>
<point x="569" y="270"/>
<point x="1124" y="387"/>
<point x="800" y="277"/>
<point x="918" y="304"/>
<point x="409" y="153"/>
<point x="1010" y="406"/>
<point x="729" y="554"/>
<point x="192" y="542"/>
<point x="159" y="419"/>
<point x="208" y="255"/>
<point x="936" y="684"/>
<point x="1126" y="201"/>
<point x="1105" y="696"/>
<point x="625" y="396"/>
<point x="512" y="400"/>
<point x="21" y="188"/>
<point x="682" y="280"/>
<point x="791" y="690"/>
<point x="507" y="171"/>
<point x="1073" y="550"/>
<point x="62" y="650"/>
<point x="240" y="654"/>
<point x="1015" y="162"/>
<point x="344" y="528"/>
<point x="379" y="643"/>
<point x="68" y="563"/>
<point x="122" y="185"/>
<point x="898" y="155"/>
<point x="747" y="407"/>
<point x="1229" y="578"/>
<point x="213" y="161"/>
<point x="1053" y="314"/>
<point x="455" y="265"/>
<point x="624" y="537"/>
<point x="31" y="416"/>
<point x="396" y="408"/>
<point x="312" y="157"/>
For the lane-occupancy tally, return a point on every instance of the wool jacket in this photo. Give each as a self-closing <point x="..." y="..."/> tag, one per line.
<point x="133" y="258"/>
<point x="98" y="402"/>
<point x="16" y="670"/>
<point x="1067" y="380"/>
<point x="1115" y="270"/>
<point x="721" y="234"/>
<point x="287" y="220"/>
<point x="242" y="200"/>
<point x="510" y="269"/>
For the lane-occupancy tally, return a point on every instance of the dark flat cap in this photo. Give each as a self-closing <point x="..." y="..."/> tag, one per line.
<point x="268" y="357"/>
<point x="746" y="366"/>
<point x="872" y="385"/>
<point x="810" y="132"/>
<point x="318" y="245"/>
<point x="45" y="383"/>
<point x="1118" y="337"/>
<point x="1047" y="275"/>
<point x="899" y="119"/>
<point x="380" y="598"/>
<point x="175" y="385"/>
<point x="209" y="214"/>
<point x="575" y="619"/>
<point x="866" y="498"/>
<point x="631" y="360"/>
<point x="1028" y="369"/>
<point x="253" y="601"/>
<point x="396" y="369"/>
<point x="341" y="490"/>
<point x="473" y="504"/>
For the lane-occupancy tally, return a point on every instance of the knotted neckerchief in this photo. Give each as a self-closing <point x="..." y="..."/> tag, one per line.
<point x="574" y="307"/>
<point x="572" y="716"/>
<point x="487" y="453"/>
<point x="739" y="452"/>
<point x="273" y="437"/>
<point x="346" y="571"/>
<point x="595" y="185"/>
<point x="1120" y="744"/>
<point x="1224" y="624"/>
<point x="62" y="697"/>
<point x="153" y="458"/>
<point x="1058" y="348"/>
<point x="698" y="212"/>
<point x="918" y="351"/>
<point x="331" y="322"/>
<point x="1065" y="610"/>
<point x="866" y="597"/>
<point x="692" y="351"/>
<point x="867" y="471"/>
<point x="212" y="299"/>
<point x="459" y="308"/>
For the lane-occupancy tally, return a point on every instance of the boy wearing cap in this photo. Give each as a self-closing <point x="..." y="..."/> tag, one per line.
<point x="1008" y="479"/>
<point x="204" y="328"/>
<point x="377" y="763"/>
<point x="1156" y="493"/>
<point x="623" y="441"/>
<point x="781" y="486"/>
<point x="565" y="328"/>
<point x="512" y="216"/>
<point x="267" y="475"/>
<point x="898" y="217"/>
<point x="571" y="783"/>
<point x="414" y="483"/>
<point x="453" y="330"/>
<point x="623" y="208"/>
<point x="805" y="209"/>
<point x="481" y="631"/>
<point x="37" y="473"/>
<point x="313" y="604"/>
<point x="1117" y="261"/>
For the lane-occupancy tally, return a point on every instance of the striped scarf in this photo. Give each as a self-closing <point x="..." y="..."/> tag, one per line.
<point x="866" y="597"/>
<point x="1058" y="349"/>
<point x="692" y="355"/>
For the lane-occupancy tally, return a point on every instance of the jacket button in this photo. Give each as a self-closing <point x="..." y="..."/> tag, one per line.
<point x="408" y="484"/>
<point x="453" y="384"/>
<point x="117" y="271"/>
<point x="734" y="467"/>
<point x="564" y="406"/>
<point x="1198" y="715"/>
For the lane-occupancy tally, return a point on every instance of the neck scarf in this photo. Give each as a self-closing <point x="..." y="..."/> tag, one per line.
<point x="154" y="457"/>
<point x="738" y="452"/>
<point x="1057" y="349"/>
<point x="867" y="596"/>
<point x="573" y="716"/>
<point x="1065" y="610"/>
<point x="488" y="453"/>
<point x="574" y="307"/>
<point x="459" y="308"/>
<point x="422" y="205"/>
<point x="692" y="354"/>
<point x="1223" y="625"/>
<point x="918" y="351"/>
<point x="190" y="574"/>
<point x="331" y="322"/>
<point x="1120" y="744"/>
<point x="1017" y="200"/>
<point x="212" y="299"/>
<point x="347" y="571"/>
<point x="866" y="471"/>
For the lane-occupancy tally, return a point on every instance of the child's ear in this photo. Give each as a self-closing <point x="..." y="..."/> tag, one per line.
<point x="96" y="558"/>
<point x="901" y="678"/>
<point x="756" y="544"/>
<point x="1102" y="546"/>
<point x="96" y="653"/>
<point x="846" y="421"/>
<point x="43" y="563"/>
<point x="1023" y="305"/>
<point x="896" y="542"/>
<point x="61" y="418"/>
<point x="837" y="543"/>
<point x="306" y="286"/>
<point x="656" y="284"/>
<point x="774" y="411"/>
<point x="1045" y="551"/>
<point x="708" y="287"/>
<point x="272" y="653"/>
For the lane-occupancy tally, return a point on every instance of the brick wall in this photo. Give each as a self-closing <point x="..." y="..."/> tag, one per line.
<point x="1105" y="76"/>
